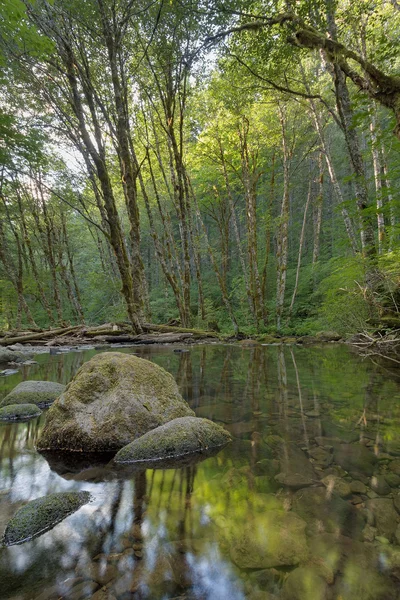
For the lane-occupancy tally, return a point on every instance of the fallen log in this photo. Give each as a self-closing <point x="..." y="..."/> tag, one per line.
<point x="197" y="333"/>
<point x="151" y="338"/>
<point x="109" y="332"/>
<point x="21" y="339"/>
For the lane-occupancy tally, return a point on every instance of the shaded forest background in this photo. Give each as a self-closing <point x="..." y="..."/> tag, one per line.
<point x="228" y="166"/>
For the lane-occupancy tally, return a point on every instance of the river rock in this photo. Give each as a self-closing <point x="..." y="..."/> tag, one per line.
<point x="324" y="511"/>
<point x="273" y="539"/>
<point x="295" y="481"/>
<point x="394" y="466"/>
<point x="380" y="486"/>
<point x="180" y="437"/>
<point x="41" y="393"/>
<point x="7" y="355"/>
<point x="42" y="514"/>
<point x="385" y="516"/>
<point x="294" y="461"/>
<point x="304" y="583"/>
<point x="392" y="479"/>
<point x="15" y="412"/>
<point x="355" y="457"/>
<point x="112" y="400"/>
<point x="321" y="456"/>
<point x="358" y="487"/>
<point x="333" y="483"/>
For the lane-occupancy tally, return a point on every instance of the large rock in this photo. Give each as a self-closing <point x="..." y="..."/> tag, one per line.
<point x="180" y="437"/>
<point x="16" y="412"/>
<point x="355" y="457"/>
<point x="273" y="539"/>
<point x="38" y="516"/>
<point x="112" y="400"/>
<point x="41" y="393"/>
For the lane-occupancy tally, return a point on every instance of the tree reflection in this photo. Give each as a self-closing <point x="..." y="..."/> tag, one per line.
<point x="222" y="528"/>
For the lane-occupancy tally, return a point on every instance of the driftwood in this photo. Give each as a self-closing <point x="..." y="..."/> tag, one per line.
<point x="21" y="339"/>
<point x="196" y="333"/>
<point x="109" y="332"/>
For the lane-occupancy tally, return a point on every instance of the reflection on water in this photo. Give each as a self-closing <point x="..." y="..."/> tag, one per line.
<point x="302" y="505"/>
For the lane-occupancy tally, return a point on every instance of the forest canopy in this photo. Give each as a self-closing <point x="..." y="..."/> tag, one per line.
<point x="220" y="165"/>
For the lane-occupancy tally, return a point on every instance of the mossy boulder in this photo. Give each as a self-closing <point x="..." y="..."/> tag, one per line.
<point x="40" y="393"/>
<point x="42" y="514"/>
<point x="16" y="412"/>
<point x="113" y="399"/>
<point x="180" y="437"/>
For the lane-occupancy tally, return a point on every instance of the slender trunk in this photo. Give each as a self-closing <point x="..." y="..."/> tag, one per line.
<point x="376" y="161"/>
<point x="301" y="243"/>
<point x="388" y="189"/>
<point x="75" y="292"/>
<point x="250" y="176"/>
<point x="268" y="231"/>
<point x="318" y="203"/>
<point x="282" y="237"/>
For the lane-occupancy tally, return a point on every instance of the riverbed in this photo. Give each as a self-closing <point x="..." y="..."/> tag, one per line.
<point x="303" y="504"/>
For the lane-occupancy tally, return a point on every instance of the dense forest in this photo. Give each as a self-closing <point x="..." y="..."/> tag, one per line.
<point x="229" y="165"/>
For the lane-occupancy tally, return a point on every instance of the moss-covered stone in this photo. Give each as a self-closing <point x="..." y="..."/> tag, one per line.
<point x="42" y="514"/>
<point x="112" y="400"/>
<point x="40" y="393"/>
<point x="180" y="437"/>
<point x="15" y="412"/>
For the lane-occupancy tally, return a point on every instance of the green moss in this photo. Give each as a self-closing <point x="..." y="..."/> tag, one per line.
<point x="186" y="435"/>
<point x="42" y="514"/>
<point x="40" y="393"/>
<point x="14" y="412"/>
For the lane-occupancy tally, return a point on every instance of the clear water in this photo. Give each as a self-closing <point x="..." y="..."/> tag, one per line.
<point x="223" y="529"/>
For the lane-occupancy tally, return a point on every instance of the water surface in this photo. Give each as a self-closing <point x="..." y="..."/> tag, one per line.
<point x="225" y="528"/>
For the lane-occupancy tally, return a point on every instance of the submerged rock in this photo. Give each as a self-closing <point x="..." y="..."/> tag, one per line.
<point x="336" y="484"/>
<point x="304" y="583"/>
<point x="180" y="437"/>
<point x="42" y="514"/>
<point x="385" y="516"/>
<point x="355" y="457"/>
<point x="325" y="511"/>
<point x="15" y="412"/>
<point x="113" y="399"/>
<point x="273" y="539"/>
<point x="380" y="485"/>
<point x="41" y="393"/>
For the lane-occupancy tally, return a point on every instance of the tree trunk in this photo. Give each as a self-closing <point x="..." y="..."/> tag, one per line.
<point x="301" y="243"/>
<point x="282" y="235"/>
